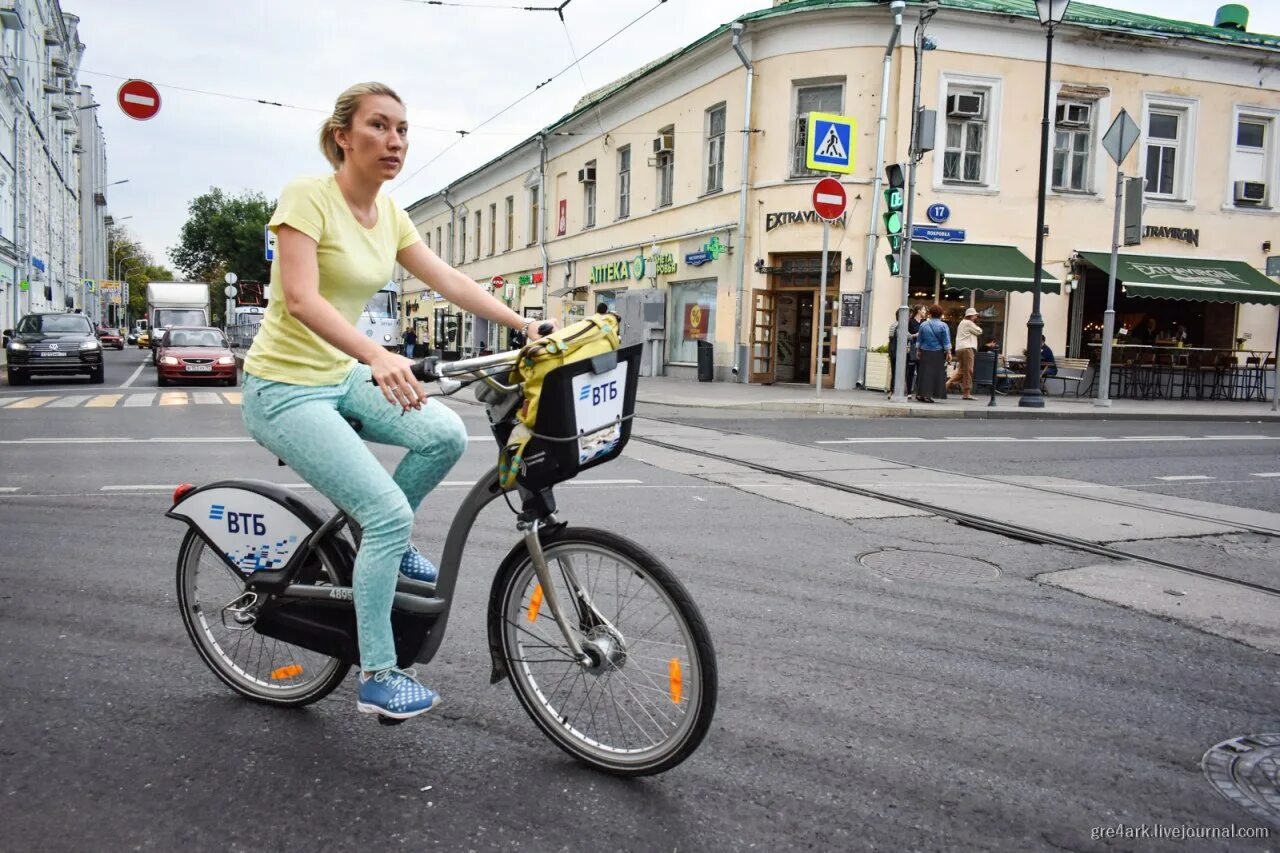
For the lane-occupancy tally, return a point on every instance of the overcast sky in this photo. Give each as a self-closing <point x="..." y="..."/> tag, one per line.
<point x="455" y="68"/>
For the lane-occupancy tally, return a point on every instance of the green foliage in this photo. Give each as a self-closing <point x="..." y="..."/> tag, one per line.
<point x="134" y="265"/>
<point x="223" y="233"/>
<point x="882" y="348"/>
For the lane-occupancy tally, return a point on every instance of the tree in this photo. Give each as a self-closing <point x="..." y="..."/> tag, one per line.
<point x="136" y="266"/>
<point x="223" y="233"/>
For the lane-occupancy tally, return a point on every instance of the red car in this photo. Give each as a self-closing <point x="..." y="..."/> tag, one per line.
<point x="109" y="338"/>
<point x="195" y="352"/>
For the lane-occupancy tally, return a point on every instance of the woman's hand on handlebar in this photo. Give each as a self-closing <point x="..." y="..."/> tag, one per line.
<point x="540" y="329"/>
<point x="391" y="373"/>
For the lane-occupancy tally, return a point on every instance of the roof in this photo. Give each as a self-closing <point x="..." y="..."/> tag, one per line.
<point x="1085" y="15"/>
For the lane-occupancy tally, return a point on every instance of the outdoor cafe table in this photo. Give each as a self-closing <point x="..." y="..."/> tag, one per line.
<point x="1135" y="390"/>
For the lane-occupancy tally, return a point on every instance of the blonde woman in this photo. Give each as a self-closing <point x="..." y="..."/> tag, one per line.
<point x="338" y="240"/>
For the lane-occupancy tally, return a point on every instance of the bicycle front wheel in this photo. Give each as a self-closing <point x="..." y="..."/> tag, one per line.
<point x="644" y="702"/>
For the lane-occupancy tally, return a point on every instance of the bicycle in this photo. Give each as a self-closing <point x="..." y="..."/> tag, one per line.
<point x="604" y="648"/>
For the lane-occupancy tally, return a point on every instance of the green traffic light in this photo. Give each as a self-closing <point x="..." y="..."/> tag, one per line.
<point x="895" y="243"/>
<point x="893" y="222"/>
<point x="894" y="198"/>
<point x="895" y="264"/>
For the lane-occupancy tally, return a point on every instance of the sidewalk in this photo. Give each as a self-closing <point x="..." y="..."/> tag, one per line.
<point x="802" y="399"/>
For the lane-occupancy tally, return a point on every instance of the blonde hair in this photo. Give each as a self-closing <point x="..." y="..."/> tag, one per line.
<point x="343" y="112"/>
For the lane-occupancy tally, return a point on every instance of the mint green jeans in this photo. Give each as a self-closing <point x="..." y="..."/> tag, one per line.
<point x="305" y="426"/>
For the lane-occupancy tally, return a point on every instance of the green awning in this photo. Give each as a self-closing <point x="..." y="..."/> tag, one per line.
<point x="980" y="266"/>
<point x="1201" y="279"/>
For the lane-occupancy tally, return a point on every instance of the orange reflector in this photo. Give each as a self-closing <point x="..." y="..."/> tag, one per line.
<point x="675" y="679"/>
<point x="535" y="603"/>
<point x="182" y="491"/>
<point x="286" y="672"/>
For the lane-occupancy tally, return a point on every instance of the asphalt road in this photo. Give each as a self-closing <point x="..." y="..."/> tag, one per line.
<point x="856" y="712"/>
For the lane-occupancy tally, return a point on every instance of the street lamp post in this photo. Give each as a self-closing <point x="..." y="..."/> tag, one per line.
<point x="1051" y="13"/>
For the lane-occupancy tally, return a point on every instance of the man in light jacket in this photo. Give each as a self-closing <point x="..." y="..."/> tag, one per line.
<point x="967" y="349"/>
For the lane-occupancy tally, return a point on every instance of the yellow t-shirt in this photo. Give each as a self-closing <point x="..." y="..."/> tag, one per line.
<point x="355" y="263"/>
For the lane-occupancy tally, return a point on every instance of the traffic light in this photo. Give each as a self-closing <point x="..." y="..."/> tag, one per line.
<point x="894" y="199"/>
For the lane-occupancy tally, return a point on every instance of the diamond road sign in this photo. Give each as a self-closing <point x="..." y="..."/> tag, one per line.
<point x="830" y="143"/>
<point x="1121" y="137"/>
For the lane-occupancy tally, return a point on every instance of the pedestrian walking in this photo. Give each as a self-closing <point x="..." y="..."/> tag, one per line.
<point x="934" y="340"/>
<point x="410" y="341"/>
<point x="967" y="350"/>
<point x="918" y="315"/>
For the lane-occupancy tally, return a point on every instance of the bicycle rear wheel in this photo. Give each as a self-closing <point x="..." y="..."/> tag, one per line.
<point x="212" y="599"/>
<point x="645" y="702"/>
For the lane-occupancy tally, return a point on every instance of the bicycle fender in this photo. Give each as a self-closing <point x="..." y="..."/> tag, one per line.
<point x="255" y="526"/>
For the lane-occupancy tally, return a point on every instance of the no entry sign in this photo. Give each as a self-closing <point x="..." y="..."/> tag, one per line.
<point x="138" y="99"/>
<point x="829" y="199"/>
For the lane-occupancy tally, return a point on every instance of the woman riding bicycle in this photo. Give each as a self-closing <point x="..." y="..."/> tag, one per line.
<point x="309" y="369"/>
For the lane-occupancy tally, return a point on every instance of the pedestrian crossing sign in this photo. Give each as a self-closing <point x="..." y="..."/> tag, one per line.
<point x="829" y="145"/>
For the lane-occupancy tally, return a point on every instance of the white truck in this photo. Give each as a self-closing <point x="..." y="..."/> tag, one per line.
<point x="175" y="303"/>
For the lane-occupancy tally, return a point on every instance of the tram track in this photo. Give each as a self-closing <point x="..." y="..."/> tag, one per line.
<point x="1001" y="528"/>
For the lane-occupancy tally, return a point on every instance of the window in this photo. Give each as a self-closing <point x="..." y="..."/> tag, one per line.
<point x="428" y="238"/>
<point x="511" y="223"/>
<point x="439" y="245"/>
<point x="589" y="195"/>
<point x="825" y="98"/>
<point x="693" y="319"/>
<point x="479" y="231"/>
<point x="964" y="157"/>
<point x="664" y="150"/>
<point x="1073" y="142"/>
<point x="493" y="228"/>
<point x="624" y="182"/>
<point x="715" y="148"/>
<point x="1252" y="161"/>
<point x="1164" y="131"/>
<point x="533" y="215"/>
<point x="462" y="237"/>
<point x="449" y="234"/>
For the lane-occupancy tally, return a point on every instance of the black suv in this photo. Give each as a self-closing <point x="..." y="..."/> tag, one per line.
<point x="54" y="344"/>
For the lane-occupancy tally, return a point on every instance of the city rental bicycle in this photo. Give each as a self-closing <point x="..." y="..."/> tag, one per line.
<point x="602" y="644"/>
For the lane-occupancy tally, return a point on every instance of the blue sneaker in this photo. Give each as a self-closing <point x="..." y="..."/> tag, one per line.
<point x="417" y="567"/>
<point x="394" y="693"/>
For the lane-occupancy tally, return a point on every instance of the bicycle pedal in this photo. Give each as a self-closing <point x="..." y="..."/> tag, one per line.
<point x="388" y="721"/>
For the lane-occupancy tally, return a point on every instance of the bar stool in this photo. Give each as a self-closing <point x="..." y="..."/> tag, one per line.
<point x="1224" y="375"/>
<point x="1193" y="375"/>
<point x="1145" y="374"/>
<point x="1253" y="378"/>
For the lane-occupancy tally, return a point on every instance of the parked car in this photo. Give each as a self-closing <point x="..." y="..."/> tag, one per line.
<point x="132" y="338"/>
<point x="110" y="338"/>
<point x="144" y="340"/>
<point x="195" y="352"/>
<point x="53" y="344"/>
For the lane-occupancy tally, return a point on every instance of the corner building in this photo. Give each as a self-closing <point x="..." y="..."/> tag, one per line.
<point x="642" y="186"/>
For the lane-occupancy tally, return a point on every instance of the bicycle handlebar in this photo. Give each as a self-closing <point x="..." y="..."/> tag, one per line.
<point x="431" y="368"/>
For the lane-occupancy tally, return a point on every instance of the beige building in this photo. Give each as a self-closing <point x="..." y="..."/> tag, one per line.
<point x="642" y="186"/>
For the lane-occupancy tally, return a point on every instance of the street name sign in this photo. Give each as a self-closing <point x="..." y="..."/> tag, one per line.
<point x="138" y="99"/>
<point x="829" y="199"/>
<point x="937" y="235"/>
<point x="830" y="143"/>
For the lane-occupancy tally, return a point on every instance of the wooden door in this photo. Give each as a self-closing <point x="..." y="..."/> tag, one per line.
<point x="824" y="350"/>
<point x="762" y="357"/>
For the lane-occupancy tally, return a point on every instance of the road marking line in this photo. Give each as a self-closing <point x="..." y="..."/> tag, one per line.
<point x="129" y="381"/>
<point x="135" y="488"/>
<point x="103" y="401"/>
<point x="233" y="397"/>
<point x="152" y="487"/>
<point x="1267" y="474"/>
<point x="205" y="398"/>
<point x="1179" y="477"/>
<point x="68" y="401"/>
<point x="31" y="402"/>
<point x="173" y="398"/>
<point x="1119" y="440"/>
<point x="4" y="402"/>
<point x="139" y="400"/>
<point x="9" y="488"/>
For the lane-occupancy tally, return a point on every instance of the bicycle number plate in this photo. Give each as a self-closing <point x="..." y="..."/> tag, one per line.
<point x="597" y="398"/>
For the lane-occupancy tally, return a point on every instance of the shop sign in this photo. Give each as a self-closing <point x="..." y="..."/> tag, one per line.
<point x="526" y="279"/>
<point x="850" y="309"/>
<point x="1185" y="235"/>
<point x="696" y="322"/>
<point x="710" y="252"/>
<point x="793" y="217"/>
<point x="1189" y="275"/>
<point x="37" y="263"/>
<point x="619" y="270"/>
<point x="563" y="224"/>
<point x="664" y="264"/>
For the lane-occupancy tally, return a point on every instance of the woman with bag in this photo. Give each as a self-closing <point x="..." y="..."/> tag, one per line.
<point x="934" y="341"/>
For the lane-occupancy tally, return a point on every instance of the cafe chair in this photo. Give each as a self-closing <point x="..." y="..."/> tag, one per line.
<point x="1253" y="378"/>
<point x="1224" y="377"/>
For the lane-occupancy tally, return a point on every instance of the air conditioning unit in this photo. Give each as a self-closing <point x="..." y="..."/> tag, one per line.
<point x="587" y="175"/>
<point x="1250" y="192"/>
<point x="1074" y="115"/>
<point x="664" y="144"/>
<point x="965" y="106"/>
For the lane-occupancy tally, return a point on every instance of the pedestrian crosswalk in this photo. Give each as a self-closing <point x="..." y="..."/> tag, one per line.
<point x="130" y="399"/>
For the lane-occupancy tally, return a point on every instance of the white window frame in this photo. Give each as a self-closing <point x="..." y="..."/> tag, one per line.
<point x="713" y="156"/>
<point x="1263" y="115"/>
<point x="993" y="89"/>
<point x="534" y="197"/>
<point x="493" y="228"/>
<point x="1092" y="147"/>
<point x="624" y="182"/>
<point x="462" y="238"/>
<point x="510" y="205"/>
<point x="589" y="198"/>
<point x="665" y="171"/>
<point x="1183" y="194"/>
<point x="479" y="234"/>
<point x="796" y="170"/>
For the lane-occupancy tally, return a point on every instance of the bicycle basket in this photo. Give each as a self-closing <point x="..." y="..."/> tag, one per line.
<point x="583" y="419"/>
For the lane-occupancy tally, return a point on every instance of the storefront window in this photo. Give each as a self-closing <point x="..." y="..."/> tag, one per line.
<point x="693" y="319"/>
